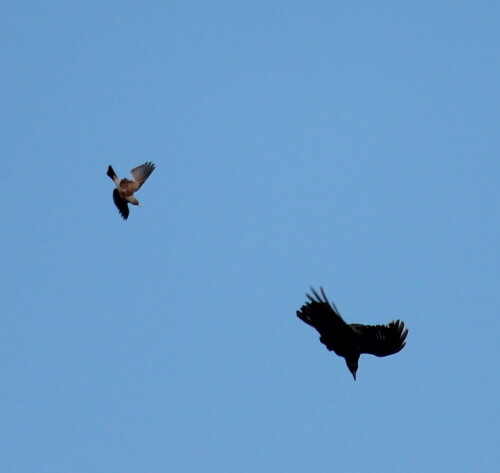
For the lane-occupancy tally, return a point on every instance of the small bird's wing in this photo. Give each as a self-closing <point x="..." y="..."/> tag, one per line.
<point x="121" y="204"/>
<point x="324" y="316"/>
<point x="381" y="340"/>
<point x="140" y="174"/>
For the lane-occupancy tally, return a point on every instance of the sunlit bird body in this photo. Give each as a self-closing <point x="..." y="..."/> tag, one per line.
<point x="124" y="192"/>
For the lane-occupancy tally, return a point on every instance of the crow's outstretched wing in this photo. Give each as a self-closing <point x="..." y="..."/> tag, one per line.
<point x="381" y="340"/>
<point x="121" y="204"/>
<point x="325" y="318"/>
<point x="320" y="313"/>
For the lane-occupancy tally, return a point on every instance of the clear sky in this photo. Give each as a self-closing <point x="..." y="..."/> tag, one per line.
<point x="349" y="144"/>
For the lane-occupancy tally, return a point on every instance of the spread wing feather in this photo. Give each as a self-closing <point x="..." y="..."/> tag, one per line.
<point x="121" y="204"/>
<point x="320" y="313"/>
<point x="324" y="316"/>
<point x="381" y="340"/>
<point x="141" y="173"/>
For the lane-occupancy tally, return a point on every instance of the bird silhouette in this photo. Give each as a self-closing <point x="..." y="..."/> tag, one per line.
<point x="350" y="340"/>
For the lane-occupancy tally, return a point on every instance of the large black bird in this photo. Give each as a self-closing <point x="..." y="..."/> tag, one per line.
<point x="350" y="340"/>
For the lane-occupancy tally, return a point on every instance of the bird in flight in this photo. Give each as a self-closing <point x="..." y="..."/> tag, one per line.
<point x="350" y="340"/>
<point x="124" y="192"/>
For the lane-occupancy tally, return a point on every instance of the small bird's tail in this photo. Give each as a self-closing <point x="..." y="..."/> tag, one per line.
<point x="111" y="173"/>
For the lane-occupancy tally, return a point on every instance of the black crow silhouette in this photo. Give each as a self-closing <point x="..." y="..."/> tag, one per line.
<point x="124" y="192"/>
<point x="350" y="340"/>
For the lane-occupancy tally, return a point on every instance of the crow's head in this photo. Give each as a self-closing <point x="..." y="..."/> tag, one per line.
<point x="352" y="364"/>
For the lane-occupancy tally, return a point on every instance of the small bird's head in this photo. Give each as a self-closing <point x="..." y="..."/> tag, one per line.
<point x="134" y="201"/>
<point x="352" y="364"/>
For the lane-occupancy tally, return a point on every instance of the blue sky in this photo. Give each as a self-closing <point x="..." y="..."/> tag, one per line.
<point x="347" y="144"/>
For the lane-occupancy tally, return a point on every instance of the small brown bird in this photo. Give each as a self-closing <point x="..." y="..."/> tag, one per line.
<point x="350" y="340"/>
<point x="124" y="192"/>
